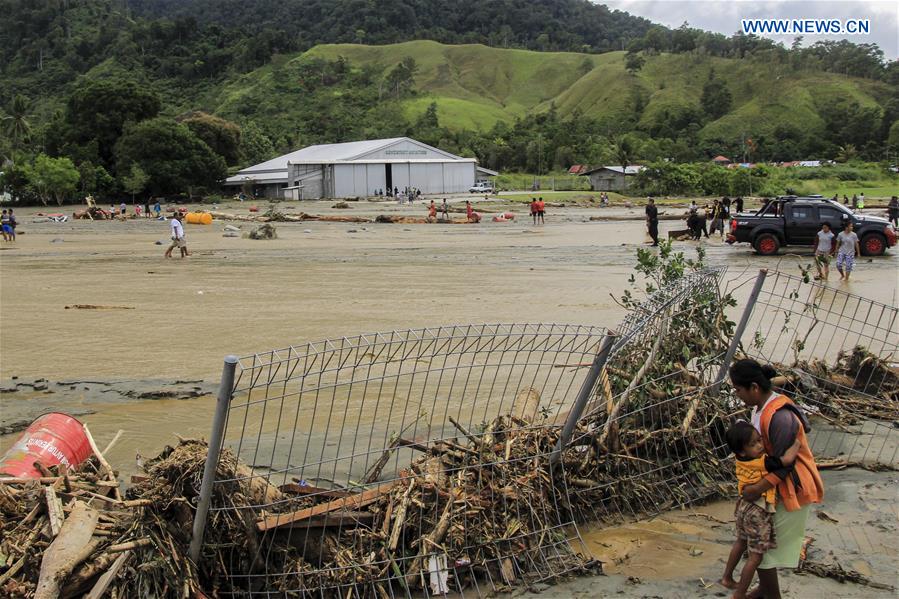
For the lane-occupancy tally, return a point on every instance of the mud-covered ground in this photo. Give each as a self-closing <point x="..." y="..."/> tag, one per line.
<point x="147" y="361"/>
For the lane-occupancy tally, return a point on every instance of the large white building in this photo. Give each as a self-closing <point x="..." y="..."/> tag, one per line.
<point x="360" y="168"/>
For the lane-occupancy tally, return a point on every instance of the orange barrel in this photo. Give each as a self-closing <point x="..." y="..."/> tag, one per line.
<point x="52" y="439"/>
<point x="199" y="218"/>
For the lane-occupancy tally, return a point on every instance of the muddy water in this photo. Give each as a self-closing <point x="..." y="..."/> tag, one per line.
<point x="316" y="280"/>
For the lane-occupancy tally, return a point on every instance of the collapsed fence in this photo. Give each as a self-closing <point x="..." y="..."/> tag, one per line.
<point x="463" y="458"/>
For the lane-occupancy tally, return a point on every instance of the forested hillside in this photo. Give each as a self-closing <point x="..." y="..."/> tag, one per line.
<point x="103" y="84"/>
<point x="573" y="25"/>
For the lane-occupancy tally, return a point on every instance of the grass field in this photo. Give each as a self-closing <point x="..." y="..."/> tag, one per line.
<point x="476" y="86"/>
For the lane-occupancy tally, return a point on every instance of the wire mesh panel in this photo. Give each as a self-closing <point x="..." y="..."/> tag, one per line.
<point x="837" y="354"/>
<point x="430" y="461"/>
<point x="375" y="458"/>
<point x="653" y="437"/>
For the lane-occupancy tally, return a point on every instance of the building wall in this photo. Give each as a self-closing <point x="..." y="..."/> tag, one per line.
<point x="361" y="180"/>
<point x="607" y="181"/>
<point x="358" y="180"/>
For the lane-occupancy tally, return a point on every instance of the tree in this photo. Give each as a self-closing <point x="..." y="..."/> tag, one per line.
<point x="135" y="181"/>
<point x="255" y="145"/>
<point x="174" y="159"/>
<point x="624" y="151"/>
<point x="402" y="77"/>
<point x="97" y="112"/>
<point x="428" y="119"/>
<point x="16" y="124"/>
<point x="633" y="62"/>
<point x="716" y="99"/>
<point x="217" y="133"/>
<point x="52" y="177"/>
<point x="893" y="137"/>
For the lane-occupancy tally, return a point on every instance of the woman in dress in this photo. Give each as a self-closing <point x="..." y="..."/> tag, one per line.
<point x="780" y="423"/>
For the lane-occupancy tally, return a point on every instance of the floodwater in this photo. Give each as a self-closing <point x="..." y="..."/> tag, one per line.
<point x="175" y="320"/>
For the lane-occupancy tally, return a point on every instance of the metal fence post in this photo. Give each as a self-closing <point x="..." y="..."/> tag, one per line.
<point x="583" y="395"/>
<point x="223" y="402"/>
<point x="738" y="334"/>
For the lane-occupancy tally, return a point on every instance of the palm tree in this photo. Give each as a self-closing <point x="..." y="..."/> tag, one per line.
<point x="624" y="151"/>
<point x="847" y="153"/>
<point x="16" y="125"/>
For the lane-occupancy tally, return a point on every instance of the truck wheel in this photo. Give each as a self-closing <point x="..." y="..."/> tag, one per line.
<point x="766" y="244"/>
<point x="873" y="244"/>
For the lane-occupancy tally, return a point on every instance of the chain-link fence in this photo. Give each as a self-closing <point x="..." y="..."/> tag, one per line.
<point x="461" y="459"/>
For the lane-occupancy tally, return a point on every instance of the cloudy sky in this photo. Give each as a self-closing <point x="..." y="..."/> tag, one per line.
<point x="724" y="16"/>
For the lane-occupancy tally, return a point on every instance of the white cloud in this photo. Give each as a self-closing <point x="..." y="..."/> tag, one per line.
<point x="725" y="16"/>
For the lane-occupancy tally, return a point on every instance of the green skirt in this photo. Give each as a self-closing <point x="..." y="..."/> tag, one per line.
<point x="789" y="531"/>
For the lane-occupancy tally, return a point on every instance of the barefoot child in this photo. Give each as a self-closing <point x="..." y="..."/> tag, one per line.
<point x="755" y="526"/>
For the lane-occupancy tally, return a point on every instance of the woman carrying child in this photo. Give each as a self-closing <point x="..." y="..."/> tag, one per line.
<point x="780" y="425"/>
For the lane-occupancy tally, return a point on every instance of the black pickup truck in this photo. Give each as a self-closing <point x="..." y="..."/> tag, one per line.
<point x="792" y="220"/>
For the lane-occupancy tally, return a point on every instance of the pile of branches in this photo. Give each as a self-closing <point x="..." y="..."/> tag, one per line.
<point x="858" y="385"/>
<point x="264" y="231"/>
<point x="70" y="533"/>
<point x="482" y="506"/>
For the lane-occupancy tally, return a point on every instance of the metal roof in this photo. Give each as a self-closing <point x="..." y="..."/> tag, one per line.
<point x="631" y="170"/>
<point x="276" y="168"/>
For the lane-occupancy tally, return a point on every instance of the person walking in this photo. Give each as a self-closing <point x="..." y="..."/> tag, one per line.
<point x="147" y="207"/>
<point x="444" y="209"/>
<point x="780" y="423"/>
<point x="541" y="210"/>
<point x="178" y="240"/>
<point x="824" y="248"/>
<point x="432" y="212"/>
<point x="717" y="218"/>
<point x="893" y="211"/>
<point x="861" y="201"/>
<point x="854" y="201"/>
<point x="123" y="207"/>
<point x="157" y="209"/>
<point x="652" y="221"/>
<point x="847" y="250"/>
<point x="13" y="223"/>
<point x="4" y="223"/>
<point x="739" y="204"/>
<point x="534" y="210"/>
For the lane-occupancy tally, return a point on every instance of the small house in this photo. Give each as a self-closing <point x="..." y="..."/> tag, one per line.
<point x="611" y="178"/>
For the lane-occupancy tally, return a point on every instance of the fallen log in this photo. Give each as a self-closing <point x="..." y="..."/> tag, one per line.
<point x="72" y="546"/>
<point x="353" y="501"/>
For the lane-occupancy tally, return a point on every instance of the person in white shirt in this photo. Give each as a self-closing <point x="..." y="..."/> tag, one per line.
<point x="847" y="249"/>
<point x="824" y="249"/>
<point x="178" y="240"/>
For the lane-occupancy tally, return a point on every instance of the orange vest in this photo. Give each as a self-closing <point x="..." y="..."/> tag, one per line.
<point x="811" y="489"/>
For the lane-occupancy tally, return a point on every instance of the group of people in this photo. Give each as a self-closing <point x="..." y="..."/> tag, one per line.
<point x="538" y="210"/>
<point x="846" y="249"/>
<point x="717" y="213"/>
<point x="857" y="202"/>
<point x="408" y="194"/>
<point x="9" y="225"/>
<point x="140" y="210"/>
<point x="432" y="211"/>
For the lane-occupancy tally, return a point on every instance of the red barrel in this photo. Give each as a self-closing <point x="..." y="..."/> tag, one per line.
<point x="52" y="439"/>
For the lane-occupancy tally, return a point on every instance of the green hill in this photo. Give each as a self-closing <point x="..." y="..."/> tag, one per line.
<point x="476" y="86"/>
